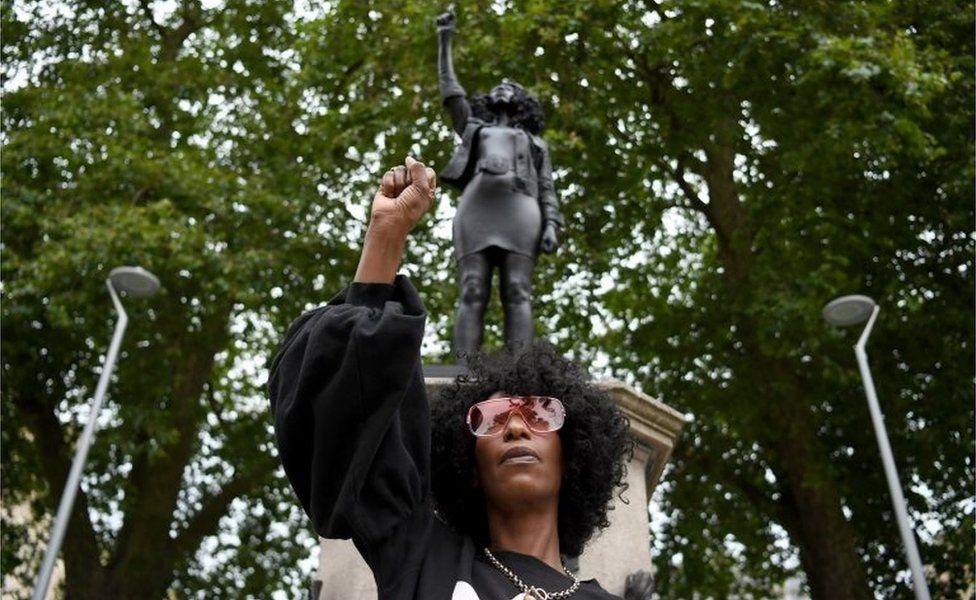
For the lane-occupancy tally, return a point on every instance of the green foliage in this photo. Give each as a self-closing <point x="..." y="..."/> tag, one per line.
<point x="167" y="143"/>
<point x="725" y="169"/>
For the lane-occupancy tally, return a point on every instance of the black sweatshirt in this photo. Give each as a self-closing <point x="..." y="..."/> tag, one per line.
<point x="353" y="432"/>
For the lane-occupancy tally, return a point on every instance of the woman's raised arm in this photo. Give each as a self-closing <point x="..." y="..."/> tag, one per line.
<point x="346" y="390"/>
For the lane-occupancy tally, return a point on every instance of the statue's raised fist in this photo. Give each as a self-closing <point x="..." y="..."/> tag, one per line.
<point x="405" y="194"/>
<point x="446" y="21"/>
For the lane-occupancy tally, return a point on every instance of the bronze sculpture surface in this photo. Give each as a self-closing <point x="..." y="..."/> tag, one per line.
<point x="508" y="210"/>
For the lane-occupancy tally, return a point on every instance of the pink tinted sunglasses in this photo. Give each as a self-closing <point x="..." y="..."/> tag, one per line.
<point x="541" y="414"/>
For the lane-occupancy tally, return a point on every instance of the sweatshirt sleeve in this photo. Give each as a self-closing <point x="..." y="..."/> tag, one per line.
<point x="350" y="411"/>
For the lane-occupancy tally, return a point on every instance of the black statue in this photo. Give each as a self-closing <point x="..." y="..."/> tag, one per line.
<point x="507" y="213"/>
<point x="639" y="585"/>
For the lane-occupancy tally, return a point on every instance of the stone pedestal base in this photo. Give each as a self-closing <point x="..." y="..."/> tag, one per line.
<point x="618" y="551"/>
<point x="625" y="546"/>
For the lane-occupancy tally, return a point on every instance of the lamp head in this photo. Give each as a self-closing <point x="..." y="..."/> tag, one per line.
<point x="134" y="281"/>
<point x="848" y="310"/>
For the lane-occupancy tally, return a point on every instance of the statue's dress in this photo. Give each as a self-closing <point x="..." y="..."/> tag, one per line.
<point x="492" y="210"/>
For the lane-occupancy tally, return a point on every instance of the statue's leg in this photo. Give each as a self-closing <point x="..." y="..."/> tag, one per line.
<point x="474" y="275"/>
<point x="516" y="293"/>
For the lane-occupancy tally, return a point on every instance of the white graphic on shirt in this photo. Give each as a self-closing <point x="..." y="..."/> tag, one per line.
<point x="464" y="591"/>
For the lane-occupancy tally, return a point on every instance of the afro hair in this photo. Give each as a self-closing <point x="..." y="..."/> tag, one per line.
<point x="595" y="440"/>
<point x="525" y="108"/>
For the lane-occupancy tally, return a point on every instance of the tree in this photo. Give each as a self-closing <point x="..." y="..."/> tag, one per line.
<point x="173" y="141"/>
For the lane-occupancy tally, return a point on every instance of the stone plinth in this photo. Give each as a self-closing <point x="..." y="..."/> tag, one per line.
<point x="619" y="550"/>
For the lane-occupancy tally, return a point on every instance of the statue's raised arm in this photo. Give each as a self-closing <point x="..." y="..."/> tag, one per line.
<point x="452" y="94"/>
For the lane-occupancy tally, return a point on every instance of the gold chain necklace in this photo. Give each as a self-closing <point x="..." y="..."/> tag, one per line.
<point x="532" y="592"/>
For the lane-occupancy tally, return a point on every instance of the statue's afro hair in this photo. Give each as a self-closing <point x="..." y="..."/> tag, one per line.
<point x="526" y="109"/>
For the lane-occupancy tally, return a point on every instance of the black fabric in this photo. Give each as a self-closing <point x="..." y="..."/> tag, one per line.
<point x="353" y="431"/>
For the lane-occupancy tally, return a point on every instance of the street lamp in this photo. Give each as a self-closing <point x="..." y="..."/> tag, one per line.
<point x="851" y="310"/>
<point x="136" y="282"/>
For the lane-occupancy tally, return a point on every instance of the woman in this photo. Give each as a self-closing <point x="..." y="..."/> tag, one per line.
<point x="507" y="212"/>
<point x="515" y="467"/>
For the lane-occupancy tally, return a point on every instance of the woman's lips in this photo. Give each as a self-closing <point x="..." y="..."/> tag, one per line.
<point x="519" y="455"/>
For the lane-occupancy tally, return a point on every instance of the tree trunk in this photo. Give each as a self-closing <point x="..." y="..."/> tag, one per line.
<point x="827" y="543"/>
<point x="80" y="549"/>
<point x="828" y="546"/>
<point x="143" y="560"/>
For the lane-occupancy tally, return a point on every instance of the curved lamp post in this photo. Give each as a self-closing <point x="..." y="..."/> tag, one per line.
<point x="136" y="282"/>
<point x="851" y="310"/>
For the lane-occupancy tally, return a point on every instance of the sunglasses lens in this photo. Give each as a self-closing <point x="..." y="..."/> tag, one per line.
<point x="540" y="414"/>
<point x="488" y="417"/>
<point x="544" y="414"/>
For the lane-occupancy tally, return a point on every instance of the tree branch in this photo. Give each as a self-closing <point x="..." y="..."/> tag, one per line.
<point x="137" y="478"/>
<point x="148" y="11"/>
<point x="214" y="407"/>
<point x="695" y="202"/>
<point x="193" y="20"/>
<point x="206" y="520"/>
<point x="755" y="494"/>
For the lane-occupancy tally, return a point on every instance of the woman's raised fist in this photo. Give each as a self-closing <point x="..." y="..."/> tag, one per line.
<point x="405" y="194"/>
